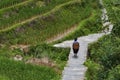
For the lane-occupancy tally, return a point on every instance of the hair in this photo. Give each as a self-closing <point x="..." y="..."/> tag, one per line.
<point x="75" y="39"/>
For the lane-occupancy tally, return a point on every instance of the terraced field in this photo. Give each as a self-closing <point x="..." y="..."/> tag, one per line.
<point x="8" y="3"/>
<point x="27" y="25"/>
<point x="54" y="21"/>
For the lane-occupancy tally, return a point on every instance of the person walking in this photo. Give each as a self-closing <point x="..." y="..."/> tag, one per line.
<point x="75" y="47"/>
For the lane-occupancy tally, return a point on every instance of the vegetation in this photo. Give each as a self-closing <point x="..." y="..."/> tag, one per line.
<point x="114" y="12"/>
<point x="104" y="57"/>
<point x="7" y="3"/>
<point x="103" y="62"/>
<point x="11" y="70"/>
<point x="58" y="55"/>
<point x="33" y="22"/>
<point x="89" y="25"/>
<point x="48" y="25"/>
<point x="22" y="71"/>
<point x="13" y="15"/>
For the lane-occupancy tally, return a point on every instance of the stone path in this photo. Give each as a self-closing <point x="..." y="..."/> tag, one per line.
<point x="75" y="69"/>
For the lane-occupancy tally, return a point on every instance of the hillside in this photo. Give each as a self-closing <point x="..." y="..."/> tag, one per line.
<point x="29" y="28"/>
<point x="104" y="59"/>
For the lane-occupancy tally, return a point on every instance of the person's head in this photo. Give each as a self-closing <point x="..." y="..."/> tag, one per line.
<point x="75" y="39"/>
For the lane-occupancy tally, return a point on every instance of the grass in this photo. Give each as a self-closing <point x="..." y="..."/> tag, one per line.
<point x="103" y="62"/>
<point x="14" y="15"/>
<point x="11" y="70"/>
<point x="58" y="55"/>
<point x="22" y="71"/>
<point x="54" y="23"/>
<point x="38" y="16"/>
<point x="113" y="8"/>
<point x="104" y="57"/>
<point x="7" y="3"/>
<point x="85" y="27"/>
<point x="55" y="18"/>
<point x="15" y="5"/>
<point x="91" y="24"/>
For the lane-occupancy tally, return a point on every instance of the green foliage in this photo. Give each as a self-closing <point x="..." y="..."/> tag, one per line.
<point x="4" y="77"/>
<point x="113" y="8"/>
<point x="39" y="30"/>
<point x="56" y="17"/>
<point x="93" y="69"/>
<point x="7" y="3"/>
<point x="114" y="74"/>
<point x="106" y="53"/>
<point x="11" y="16"/>
<point x="59" y="55"/>
<point x="90" y="25"/>
<point x="11" y="70"/>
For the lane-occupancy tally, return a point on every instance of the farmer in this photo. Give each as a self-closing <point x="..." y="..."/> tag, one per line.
<point x="75" y="47"/>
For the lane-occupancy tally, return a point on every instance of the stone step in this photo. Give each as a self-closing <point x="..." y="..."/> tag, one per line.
<point x="75" y="68"/>
<point x="67" y="77"/>
<point x="76" y="62"/>
<point x="73" y="73"/>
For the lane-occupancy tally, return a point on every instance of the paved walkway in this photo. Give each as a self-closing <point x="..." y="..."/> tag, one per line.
<point x="75" y="69"/>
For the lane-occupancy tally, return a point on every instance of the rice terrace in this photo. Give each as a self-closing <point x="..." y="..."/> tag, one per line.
<point x="37" y="36"/>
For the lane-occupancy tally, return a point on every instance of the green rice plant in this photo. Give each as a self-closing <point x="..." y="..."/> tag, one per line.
<point x="15" y="5"/>
<point x="7" y="3"/>
<point x="91" y="24"/>
<point x="87" y="26"/>
<point x="12" y="70"/>
<point x="48" y="25"/>
<point x="23" y="71"/>
<point x="12" y="16"/>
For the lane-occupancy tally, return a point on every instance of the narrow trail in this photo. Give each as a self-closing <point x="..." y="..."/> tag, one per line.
<point x="75" y="69"/>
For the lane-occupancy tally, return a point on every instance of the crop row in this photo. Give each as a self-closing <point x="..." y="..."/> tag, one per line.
<point x="11" y="16"/>
<point x="7" y="3"/>
<point x="87" y="26"/>
<point x="40" y="29"/>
